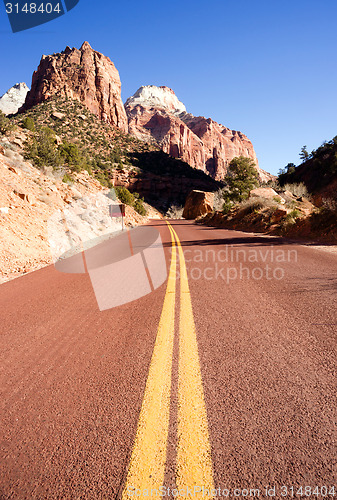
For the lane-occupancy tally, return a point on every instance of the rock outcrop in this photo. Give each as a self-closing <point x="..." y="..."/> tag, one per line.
<point x="156" y="115"/>
<point x="198" y="203"/>
<point x="13" y="99"/>
<point x="266" y="194"/>
<point x="84" y="75"/>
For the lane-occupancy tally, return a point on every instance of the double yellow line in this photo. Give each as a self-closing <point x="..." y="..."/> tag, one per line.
<point x="148" y="459"/>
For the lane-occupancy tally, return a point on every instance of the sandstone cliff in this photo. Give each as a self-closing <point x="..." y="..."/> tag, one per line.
<point x="84" y="75"/>
<point x="156" y="115"/>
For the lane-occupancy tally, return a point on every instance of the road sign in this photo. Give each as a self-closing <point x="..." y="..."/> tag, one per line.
<point x="117" y="210"/>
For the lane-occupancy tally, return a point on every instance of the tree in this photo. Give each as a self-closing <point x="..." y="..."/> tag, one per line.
<point x="72" y="156"/>
<point x="304" y="155"/>
<point x="42" y="149"/>
<point x="290" y="168"/>
<point x="241" y="178"/>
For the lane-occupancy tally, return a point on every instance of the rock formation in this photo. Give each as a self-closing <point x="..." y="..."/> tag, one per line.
<point x="156" y="115"/>
<point x="198" y="203"/>
<point x="84" y="75"/>
<point x="158" y="97"/>
<point x="13" y="99"/>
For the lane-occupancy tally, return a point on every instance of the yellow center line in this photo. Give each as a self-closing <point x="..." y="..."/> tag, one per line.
<point x="194" y="462"/>
<point x="148" y="459"/>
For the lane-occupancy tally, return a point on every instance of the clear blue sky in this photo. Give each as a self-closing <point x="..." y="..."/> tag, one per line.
<point x="267" y="68"/>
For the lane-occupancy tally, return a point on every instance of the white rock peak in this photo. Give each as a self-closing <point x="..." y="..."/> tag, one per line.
<point x="14" y="98"/>
<point x="158" y="97"/>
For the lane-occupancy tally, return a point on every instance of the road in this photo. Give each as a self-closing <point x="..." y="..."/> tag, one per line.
<point x="223" y="378"/>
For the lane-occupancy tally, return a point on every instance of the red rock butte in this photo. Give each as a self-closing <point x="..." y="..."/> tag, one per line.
<point x="82" y="74"/>
<point x="156" y="115"/>
<point x="153" y="114"/>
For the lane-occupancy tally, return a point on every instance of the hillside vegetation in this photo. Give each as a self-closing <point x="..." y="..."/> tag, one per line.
<point x="65" y="135"/>
<point x="318" y="171"/>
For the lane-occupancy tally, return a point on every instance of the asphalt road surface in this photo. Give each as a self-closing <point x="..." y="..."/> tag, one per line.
<point x="221" y="382"/>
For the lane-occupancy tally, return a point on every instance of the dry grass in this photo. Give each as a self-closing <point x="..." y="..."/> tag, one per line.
<point x="298" y="190"/>
<point x="175" y="212"/>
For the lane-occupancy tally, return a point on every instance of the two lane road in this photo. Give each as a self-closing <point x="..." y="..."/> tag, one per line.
<point x="224" y="376"/>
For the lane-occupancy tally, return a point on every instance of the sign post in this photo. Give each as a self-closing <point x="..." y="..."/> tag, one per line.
<point x="118" y="211"/>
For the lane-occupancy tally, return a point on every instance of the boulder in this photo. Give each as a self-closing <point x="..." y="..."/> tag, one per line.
<point x="57" y="115"/>
<point x="267" y="194"/>
<point x="198" y="203"/>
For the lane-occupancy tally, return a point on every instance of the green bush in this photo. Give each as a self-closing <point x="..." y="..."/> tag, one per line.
<point x="227" y="207"/>
<point x="124" y="195"/>
<point x="42" y="149"/>
<point x="67" y="178"/>
<point x="139" y="206"/>
<point x="72" y="156"/>
<point x="28" y="123"/>
<point x="293" y="215"/>
<point x="5" y="125"/>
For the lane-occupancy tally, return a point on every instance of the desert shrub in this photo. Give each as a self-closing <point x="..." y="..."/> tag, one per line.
<point x="290" y="204"/>
<point x="28" y="123"/>
<point x="104" y="178"/>
<point x="71" y="155"/>
<point x="175" y="212"/>
<point x="329" y="205"/>
<point x="293" y="215"/>
<point x="297" y="189"/>
<point x="42" y="148"/>
<point x="124" y="195"/>
<point x="218" y="200"/>
<point x="252" y="205"/>
<point x="133" y="200"/>
<point x="138" y="205"/>
<point x="5" y="124"/>
<point x="227" y="206"/>
<point x="67" y="178"/>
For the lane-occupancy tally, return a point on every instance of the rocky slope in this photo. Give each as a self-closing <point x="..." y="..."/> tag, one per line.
<point x="28" y="198"/>
<point x="13" y="99"/>
<point x="156" y="115"/>
<point x="278" y="213"/>
<point x="85" y="75"/>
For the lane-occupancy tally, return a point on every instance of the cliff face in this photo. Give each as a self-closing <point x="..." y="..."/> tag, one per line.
<point x="84" y="75"/>
<point x="159" y="117"/>
<point x="13" y="99"/>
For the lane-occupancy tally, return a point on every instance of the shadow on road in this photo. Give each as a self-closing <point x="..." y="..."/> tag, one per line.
<point x="247" y="241"/>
